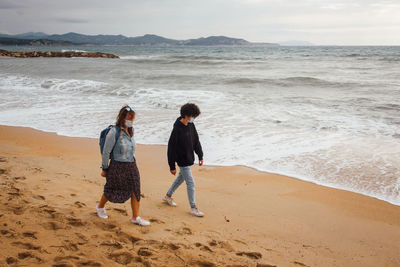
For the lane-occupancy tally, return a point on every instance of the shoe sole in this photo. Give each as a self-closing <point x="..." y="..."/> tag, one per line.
<point x="169" y="204"/>
<point x="140" y="224"/>
<point x="99" y="216"/>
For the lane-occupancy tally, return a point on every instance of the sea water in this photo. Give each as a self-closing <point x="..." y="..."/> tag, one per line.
<point x="329" y="115"/>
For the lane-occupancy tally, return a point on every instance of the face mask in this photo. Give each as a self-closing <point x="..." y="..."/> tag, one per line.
<point x="128" y="123"/>
<point x="191" y="120"/>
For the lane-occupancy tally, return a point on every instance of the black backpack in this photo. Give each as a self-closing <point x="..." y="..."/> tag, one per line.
<point x="103" y="136"/>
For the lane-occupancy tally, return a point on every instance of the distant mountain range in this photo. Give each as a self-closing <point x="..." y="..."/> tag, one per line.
<point x="40" y="38"/>
<point x="34" y="42"/>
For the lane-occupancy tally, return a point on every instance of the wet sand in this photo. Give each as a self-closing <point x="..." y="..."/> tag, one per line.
<point x="50" y="185"/>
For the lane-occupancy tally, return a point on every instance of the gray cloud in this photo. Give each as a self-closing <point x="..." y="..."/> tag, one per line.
<point x="71" y="20"/>
<point x="9" y="5"/>
<point x="319" y="21"/>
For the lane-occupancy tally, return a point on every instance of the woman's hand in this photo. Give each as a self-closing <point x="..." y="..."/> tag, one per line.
<point x="200" y="162"/>
<point x="173" y="172"/>
<point x="103" y="173"/>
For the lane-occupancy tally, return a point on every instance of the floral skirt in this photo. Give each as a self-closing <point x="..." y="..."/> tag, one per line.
<point x="123" y="180"/>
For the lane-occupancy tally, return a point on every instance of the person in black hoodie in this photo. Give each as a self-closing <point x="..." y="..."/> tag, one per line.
<point x="182" y="144"/>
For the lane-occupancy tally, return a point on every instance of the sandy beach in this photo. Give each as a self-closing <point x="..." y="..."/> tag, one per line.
<point x="50" y="185"/>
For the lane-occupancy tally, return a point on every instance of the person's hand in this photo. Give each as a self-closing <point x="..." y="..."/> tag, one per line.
<point x="200" y="162"/>
<point x="173" y="172"/>
<point x="103" y="173"/>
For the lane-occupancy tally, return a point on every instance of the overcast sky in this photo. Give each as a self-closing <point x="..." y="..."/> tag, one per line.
<point x="338" y="22"/>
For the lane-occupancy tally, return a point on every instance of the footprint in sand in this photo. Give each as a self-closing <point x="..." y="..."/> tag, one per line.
<point x="82" y="239"/>
<point x="35" y="170"/>
<point x="170" y="246"/>
<point x="121" y="211"/>
<point x="53" y="226"/>
<point x="202" y="264"/>
<point x="46" y="209"/>
<point x="89" y="263"/>
<point x="30" y="234"/>
<point x="62" y="264"/>
<point x="252" y="255"/>
<point x="155" y="220"/>
<point x="111" y="244"/>
<point x="39" y="197"/>
<point x="79" y="204"/>
<point x="18" y="210"/>
<point x="11" y="260"/>
<point x="27" y="255"/>
<point x="127" y="238"/>
<point x="67" y="245"/>
<point x="145" y="252"/>
<point x="75" y="221"/>
<point x="122" y="257"/>
<point x="3" y="171"/>
<point x="63" y="258"/>
<point x="300" y="263"/>
<point x="19" y="178"/>
<point x="106" y="226"/>
<point x="221" y="244"/>
<point x="240" y="241"/>
<point x="184" y="231"/>
<point x="28" y="246"/>
<point x="7" y="233"/>
<point x="14" y="191"/>
<point x="203" y="247"/>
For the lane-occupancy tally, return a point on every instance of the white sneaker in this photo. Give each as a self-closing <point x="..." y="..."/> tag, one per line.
<point x="169" y="200"/>
<point x="140" y="221"/>
<point x="196" y="212"/>
<point x="101" y="212"/>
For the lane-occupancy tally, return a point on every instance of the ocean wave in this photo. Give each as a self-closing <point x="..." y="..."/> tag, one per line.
<point x="389" y="106"/>
<point x="176" y="60"/>
<point x="289" y="81"/>
<point x="320" y="123"/>
<point x="72" y="50"/>
<point x="394" y="58"/>
<point x="142" y="57"/>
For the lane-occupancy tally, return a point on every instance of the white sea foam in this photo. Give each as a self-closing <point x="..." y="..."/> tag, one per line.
<point x="72" y="50"/>
<point x="310" y="142"/>
<point x="141" y="57"/>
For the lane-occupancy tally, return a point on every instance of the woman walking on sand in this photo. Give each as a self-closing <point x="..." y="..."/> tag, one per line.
<point x="122" y="174"/>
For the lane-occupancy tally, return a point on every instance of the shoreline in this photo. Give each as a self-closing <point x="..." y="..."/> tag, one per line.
<point x="50" y="185"/>
<point x="304" y="179"/>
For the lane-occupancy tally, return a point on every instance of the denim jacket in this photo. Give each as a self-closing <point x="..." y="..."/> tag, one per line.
<point x="123" y="150"/>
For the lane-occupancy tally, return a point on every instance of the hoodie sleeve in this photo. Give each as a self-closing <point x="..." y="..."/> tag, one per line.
<point x="172" y="147"/>
<point x="108" y="147"/>
<point x="197" y="145"/>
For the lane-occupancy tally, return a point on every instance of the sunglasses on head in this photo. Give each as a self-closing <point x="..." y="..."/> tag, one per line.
<point x="128" y="109"/>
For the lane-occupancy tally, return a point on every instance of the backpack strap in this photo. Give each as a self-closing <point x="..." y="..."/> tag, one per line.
<point x="117" y="133"/>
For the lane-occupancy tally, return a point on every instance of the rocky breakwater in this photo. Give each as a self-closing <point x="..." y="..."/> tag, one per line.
<point x="5" y="53"/>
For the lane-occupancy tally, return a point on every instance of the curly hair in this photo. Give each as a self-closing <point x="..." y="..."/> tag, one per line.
<point x="190" y="110"/>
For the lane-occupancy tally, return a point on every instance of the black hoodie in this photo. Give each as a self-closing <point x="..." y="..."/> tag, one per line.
<point x="182" y="142"/>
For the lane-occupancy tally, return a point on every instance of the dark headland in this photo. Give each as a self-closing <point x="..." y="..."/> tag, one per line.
<point x="5" y="53"/>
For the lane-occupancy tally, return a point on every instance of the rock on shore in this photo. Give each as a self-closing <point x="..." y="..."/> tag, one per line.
<point x="5" y="53"/>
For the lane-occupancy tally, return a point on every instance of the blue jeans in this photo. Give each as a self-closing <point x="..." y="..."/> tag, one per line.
<point x="185" y="174"/>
